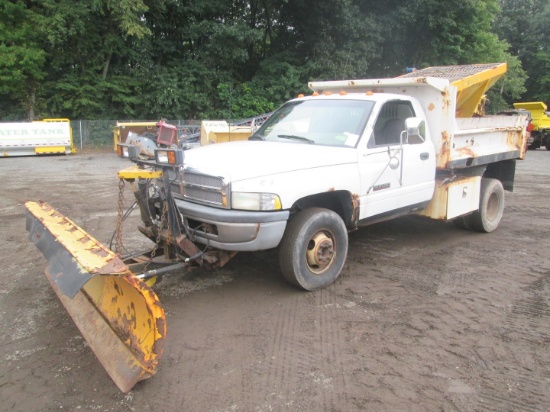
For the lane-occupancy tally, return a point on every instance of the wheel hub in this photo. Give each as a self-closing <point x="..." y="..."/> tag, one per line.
<point x="320" y="251"/>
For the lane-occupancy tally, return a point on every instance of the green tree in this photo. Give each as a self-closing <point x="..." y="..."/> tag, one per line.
<point x="524" y="25"/>
<point x="91" y="55"/>
<point x="433" y="33"/>
<point x="235" y="58"/>
<point x="22" y="59"/>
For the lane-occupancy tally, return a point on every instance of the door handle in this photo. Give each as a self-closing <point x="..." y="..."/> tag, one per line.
<point x="424" y="156"/>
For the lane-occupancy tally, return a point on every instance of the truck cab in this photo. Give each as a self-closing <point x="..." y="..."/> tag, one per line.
<point x="353" y="153"/>
<point x="349" y="151"/>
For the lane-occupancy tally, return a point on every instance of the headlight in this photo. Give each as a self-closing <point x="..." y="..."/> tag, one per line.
<point x="255" y="201"/>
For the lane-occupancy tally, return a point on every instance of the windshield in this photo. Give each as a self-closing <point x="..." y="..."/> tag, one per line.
<point x="323" y="122"/>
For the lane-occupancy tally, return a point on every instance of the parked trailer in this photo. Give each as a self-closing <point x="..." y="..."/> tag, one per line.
<point x="45" y="137"/>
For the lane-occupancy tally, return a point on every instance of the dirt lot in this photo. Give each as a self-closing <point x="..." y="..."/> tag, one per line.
<point x="425" y="316"/>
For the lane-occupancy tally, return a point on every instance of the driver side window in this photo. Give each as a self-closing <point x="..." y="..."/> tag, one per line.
<point x="391" y="122"/>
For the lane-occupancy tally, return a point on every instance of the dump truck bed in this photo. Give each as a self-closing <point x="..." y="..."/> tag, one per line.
<point x="538" y="110"/>
<point x="471" y="81"/>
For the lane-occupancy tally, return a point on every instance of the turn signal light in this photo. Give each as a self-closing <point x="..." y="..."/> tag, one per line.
<point x="172" y="157"/>
<point x="127" y="150"/>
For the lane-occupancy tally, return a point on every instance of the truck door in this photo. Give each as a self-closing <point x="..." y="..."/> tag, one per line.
<point x="396" y="175"/>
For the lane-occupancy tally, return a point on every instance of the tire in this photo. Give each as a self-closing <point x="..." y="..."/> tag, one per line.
<point x="491" y="207"/>
<point x="462" y="222"/>
<point x="537" y="140"/>
<point x="313" y="249"/>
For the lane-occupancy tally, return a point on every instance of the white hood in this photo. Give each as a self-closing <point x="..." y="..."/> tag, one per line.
<point x="250" y="159"/>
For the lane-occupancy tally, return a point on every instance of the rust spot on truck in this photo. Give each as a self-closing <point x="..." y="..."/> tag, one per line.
<point x="445" y="142"/>
<point x="421" y="80"/>
<point x="158" y="346"/>
<point x="436" y="209"/>
<point x="186" y="245"/>
<point x="431" y="107"/>
<point x="466" y="151"/>
<point x="512" y="139"/>
<point x="355" y="210"/>
<point x="445" y="151"/>
<point x="446" y="101"/>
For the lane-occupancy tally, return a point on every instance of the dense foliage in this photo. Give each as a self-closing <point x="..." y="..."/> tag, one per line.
<point x="99" y="59"/>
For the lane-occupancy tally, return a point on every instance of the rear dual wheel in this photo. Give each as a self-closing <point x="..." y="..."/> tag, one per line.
<point x="314" y="248"/>
<point x="491" y="208"/>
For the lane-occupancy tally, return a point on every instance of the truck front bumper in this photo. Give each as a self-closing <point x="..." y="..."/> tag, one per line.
<point x="233" y="230"/>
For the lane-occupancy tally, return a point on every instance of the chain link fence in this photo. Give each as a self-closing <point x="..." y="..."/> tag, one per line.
<point x="91" y="134"/>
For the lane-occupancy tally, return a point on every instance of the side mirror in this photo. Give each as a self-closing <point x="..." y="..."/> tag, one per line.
<point x="415" y="128"/>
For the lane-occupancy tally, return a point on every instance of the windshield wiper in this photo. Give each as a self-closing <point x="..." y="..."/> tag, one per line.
<point x="291" y="136"/>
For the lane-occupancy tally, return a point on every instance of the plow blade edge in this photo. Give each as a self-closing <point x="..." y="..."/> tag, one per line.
<point x="119" y="315"/>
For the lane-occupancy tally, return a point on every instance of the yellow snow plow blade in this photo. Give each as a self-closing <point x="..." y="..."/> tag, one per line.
<point x="119" y="315"/>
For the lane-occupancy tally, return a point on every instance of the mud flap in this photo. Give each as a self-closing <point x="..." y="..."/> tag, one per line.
<point x="119" y="315"/>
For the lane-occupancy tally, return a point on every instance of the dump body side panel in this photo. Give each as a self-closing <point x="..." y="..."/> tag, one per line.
<point x="453" y="198"/>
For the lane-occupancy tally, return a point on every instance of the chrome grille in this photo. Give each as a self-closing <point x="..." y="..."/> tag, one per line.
<point x="198" y="195"/>
<point x="203" y="180"/>
<point x="211" y="190"/>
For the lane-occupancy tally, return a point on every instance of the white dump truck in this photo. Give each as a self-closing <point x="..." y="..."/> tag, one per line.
<point x="353" y="153"/>
<point x="48" y="136"/>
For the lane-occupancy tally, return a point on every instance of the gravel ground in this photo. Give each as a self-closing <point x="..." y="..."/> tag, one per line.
<point x="425" y="316"/>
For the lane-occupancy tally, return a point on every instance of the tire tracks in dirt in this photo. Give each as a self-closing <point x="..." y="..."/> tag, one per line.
<point x="528" y="321"/>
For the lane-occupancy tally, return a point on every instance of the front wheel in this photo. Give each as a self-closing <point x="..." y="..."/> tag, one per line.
<point x="491" y="206"/>
<point x="314" y="248"/>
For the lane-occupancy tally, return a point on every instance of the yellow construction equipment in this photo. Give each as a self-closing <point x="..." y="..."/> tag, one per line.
<point x="119" y="315"/>
<point x="540" y="119"/>
<point x="107" y="294"/>
<point x="219" y="131"/>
